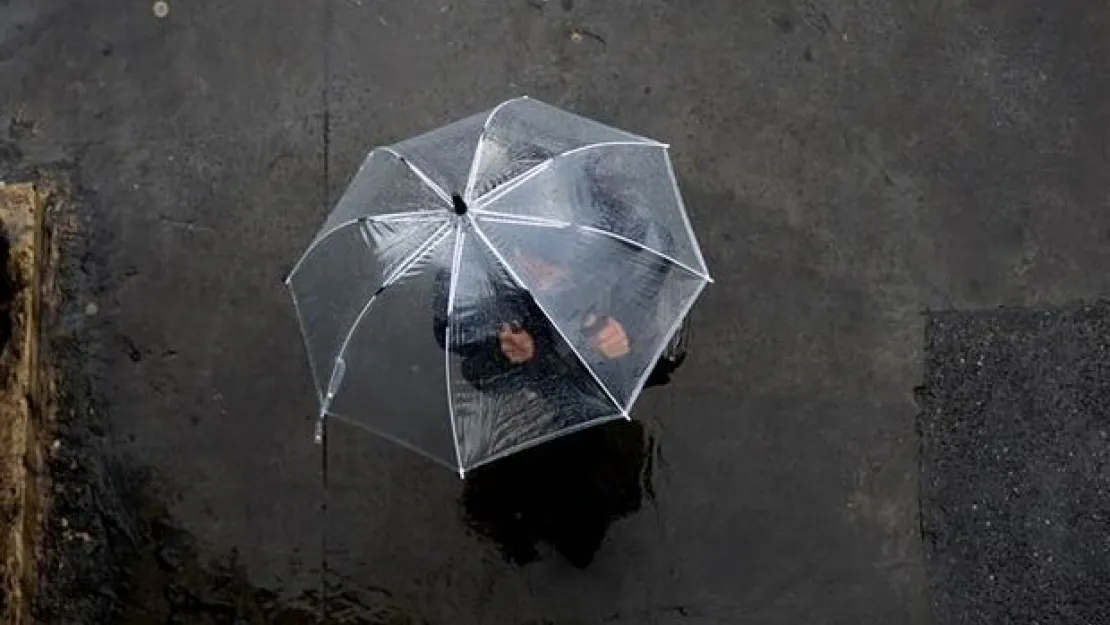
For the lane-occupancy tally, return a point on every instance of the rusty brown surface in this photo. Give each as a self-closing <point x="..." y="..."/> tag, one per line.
<point x="25" y="387"/>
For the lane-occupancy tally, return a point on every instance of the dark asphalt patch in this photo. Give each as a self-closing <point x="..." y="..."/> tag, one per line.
<point x="1016" y="465"/>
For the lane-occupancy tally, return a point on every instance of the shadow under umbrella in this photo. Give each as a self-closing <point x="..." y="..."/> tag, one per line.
<point x="567" y="492"/>
<point x="564" y="493"/>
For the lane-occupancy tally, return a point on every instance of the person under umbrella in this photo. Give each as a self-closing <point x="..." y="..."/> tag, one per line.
<point x="551" y="256"/>
<point x="523" y="350"/>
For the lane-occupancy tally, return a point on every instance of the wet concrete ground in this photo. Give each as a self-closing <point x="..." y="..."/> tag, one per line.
<point x="847" y="166"/>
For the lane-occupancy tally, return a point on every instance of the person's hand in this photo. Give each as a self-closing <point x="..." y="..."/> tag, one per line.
<point x="517" y="345"/>
<point x="611" y="339"/>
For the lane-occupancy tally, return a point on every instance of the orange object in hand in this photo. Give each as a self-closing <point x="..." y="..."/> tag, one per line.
<point x="611" y="340"/>
<point x="517" y="345"/>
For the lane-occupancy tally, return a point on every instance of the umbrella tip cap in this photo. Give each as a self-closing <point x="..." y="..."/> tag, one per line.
<point x="459" y="205"/>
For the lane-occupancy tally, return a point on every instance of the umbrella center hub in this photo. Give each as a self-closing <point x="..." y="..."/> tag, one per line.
<point x="459" y="206"/>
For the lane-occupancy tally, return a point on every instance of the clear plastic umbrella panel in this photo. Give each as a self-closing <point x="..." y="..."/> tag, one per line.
<point x="496" y="283"/>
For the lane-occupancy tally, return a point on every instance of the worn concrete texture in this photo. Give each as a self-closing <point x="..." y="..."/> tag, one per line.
<point x="847" y="165"/>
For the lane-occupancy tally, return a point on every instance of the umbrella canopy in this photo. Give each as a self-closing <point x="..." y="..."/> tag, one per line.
<point x="498" y="282"/>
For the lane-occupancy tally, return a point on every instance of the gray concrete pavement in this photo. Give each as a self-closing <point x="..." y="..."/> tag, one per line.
<point x="846" y="164"/>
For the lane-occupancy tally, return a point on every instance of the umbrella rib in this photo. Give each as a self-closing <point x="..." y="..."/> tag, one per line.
<point x="421" y="215"/>
<point x="437" y="237"/>
<point x="308" y="348"/>
<point x="636" y="390"/>
<point x="312" y="247"/>
<point x="496" y="193"/>
<point x="527" y="220"/>
<point x="682" y="211"/>
<point x="472" y="175"/>
<point x="409" y="217"/>
<point x="650" y="250"/>
<point x="389" y="437"/>
<point x="647" y="143"/>
<point x="456" y="263"/>
<point x="524" y="176"/>
<point x="520" y="283"/>
<point x="578" y="427"/>
<point x="540" y="222"/>
<point x="443" y="195"/>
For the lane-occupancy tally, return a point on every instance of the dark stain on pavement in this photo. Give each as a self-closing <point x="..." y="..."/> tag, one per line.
<point x="565" y="493"/>
<point x="171" y="579"/>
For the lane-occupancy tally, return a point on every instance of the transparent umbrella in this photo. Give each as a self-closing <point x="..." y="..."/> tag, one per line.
<point x="504" y="280"/>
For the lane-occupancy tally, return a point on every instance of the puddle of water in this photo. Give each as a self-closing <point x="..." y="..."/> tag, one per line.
<point x="172" y="580"/>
